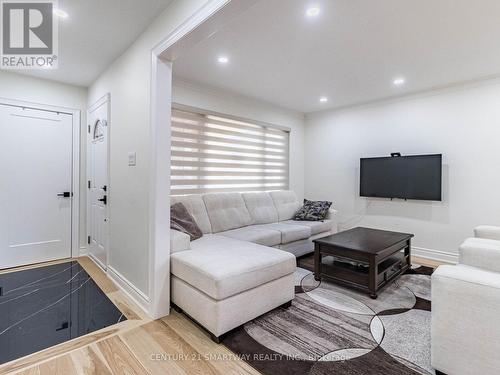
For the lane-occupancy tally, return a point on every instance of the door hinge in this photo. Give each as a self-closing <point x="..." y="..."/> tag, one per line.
<point x="88" y="240"/>
<point x="89" y="129"/>
<point x="1" y="291"/>
<point x="89" y="183"/>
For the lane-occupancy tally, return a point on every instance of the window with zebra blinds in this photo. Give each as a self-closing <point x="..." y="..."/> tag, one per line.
<point x="219" y="153"/>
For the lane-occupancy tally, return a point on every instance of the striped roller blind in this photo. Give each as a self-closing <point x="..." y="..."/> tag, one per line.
<point x="217" y="153"/>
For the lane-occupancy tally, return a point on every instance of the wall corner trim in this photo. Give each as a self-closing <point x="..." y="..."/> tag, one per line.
<point x="158" y="302"/>
<point x="130" y="289"/>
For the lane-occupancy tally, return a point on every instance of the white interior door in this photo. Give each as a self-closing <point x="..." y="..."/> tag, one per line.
<point x="98" y="184"/>
<point x="36" y="171"/>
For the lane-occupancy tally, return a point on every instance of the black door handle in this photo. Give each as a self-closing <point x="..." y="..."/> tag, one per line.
<point x="65" y="325"/>
<point x="104" y="200"/>
<point x="66" y="194"/>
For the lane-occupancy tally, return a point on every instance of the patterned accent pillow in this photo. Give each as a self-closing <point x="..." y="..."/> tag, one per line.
<point x="313" y="211"/>
<point x="181" y="220"/>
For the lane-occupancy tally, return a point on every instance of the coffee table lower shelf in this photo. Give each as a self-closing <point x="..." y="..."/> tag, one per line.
<point x="359" y="278"/>
<point x="366" y="271"/>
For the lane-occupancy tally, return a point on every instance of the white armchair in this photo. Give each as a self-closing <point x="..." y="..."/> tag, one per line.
<point x="489" y="232"/>
<point x="465" y="331"/>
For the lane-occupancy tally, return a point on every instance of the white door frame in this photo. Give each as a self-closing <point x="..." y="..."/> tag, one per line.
<point x="102" y="100"/>
<point x="201" y="25"/>
<point x="75" y="157"/>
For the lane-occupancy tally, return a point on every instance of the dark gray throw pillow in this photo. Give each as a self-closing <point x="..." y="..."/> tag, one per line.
<point x="313" y="211"/>
<point x="181" y="220"/>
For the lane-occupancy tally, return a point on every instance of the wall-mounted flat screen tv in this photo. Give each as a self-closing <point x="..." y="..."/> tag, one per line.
<point x="404" y="177"/>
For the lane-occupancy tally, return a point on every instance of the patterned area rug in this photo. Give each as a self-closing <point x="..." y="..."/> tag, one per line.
<point x="330" y="329"/>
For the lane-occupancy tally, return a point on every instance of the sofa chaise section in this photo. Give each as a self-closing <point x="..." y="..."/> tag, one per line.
<point x="223" y="283"/>
<point x="222" y="267"/>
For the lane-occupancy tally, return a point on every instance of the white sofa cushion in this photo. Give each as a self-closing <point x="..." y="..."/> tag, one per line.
<point x="302" y="247"/>
<point x="196" y="207"/>
<point x="289" y="233"/>
<point x="480" y="252"/>
<point x="286" y="204"/>
<point x="256" y="234"/>
<point x="315" y="226"/>
<point x="261" y="207"/>
<point x="226" y="211"/>
<point x="222" y="267"/>
<point x="179" y="241"/>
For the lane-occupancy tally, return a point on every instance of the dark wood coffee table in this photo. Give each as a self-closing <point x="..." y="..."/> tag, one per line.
<point x="364" y="258"/>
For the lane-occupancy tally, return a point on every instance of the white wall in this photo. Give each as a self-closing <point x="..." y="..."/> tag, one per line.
<point x="232" y="104"/>
<point x="40" y="91"/>
<point x="128" y="80"/>
<point x="463" y="124"/>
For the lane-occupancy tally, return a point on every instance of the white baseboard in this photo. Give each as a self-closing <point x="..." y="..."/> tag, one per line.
<point x="83" y="251"/>
<point x="438" y="255"/>
<point x="97" y="261"/>
<point x="129" y="289"/>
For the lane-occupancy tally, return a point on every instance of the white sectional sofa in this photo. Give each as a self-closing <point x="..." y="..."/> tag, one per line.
<point x="243" y="266"/>
<point x="465" y="334"/>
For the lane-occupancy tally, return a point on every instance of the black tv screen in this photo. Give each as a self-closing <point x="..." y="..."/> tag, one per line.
<point x="404" y="177"/>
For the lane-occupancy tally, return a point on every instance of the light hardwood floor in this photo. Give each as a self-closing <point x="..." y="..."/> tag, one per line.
<point x="426" y="262"/>
<point x="172" y="345"/>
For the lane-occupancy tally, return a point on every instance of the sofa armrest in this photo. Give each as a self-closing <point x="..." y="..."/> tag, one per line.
<point x="332" y="213"/>
<point x="179" y="241"/>
<point x="333" y="216"/>
<point x="465" y="305"/>
<point x="480" y="253"/>
<point x="487" y="231"/>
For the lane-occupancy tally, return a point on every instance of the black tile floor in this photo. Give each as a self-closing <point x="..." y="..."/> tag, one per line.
<point x="45" y="306"/>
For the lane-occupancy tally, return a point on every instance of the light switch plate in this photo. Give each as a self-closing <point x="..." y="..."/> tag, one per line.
<point x="132" y="159"/>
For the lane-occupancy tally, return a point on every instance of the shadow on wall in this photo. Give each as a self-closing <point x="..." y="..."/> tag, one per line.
<point x="430" y="211"/>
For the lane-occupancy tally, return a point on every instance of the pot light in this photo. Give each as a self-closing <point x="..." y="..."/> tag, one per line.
<point x="60" y="13"/>
<point x="222" y="59"/>
<point x="323" y="99"/>
<point x="399" y="81"/>
<point x="312" y="11"/>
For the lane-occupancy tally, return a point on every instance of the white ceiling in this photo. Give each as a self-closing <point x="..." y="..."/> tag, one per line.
<point x="95" y="34"/>
<point x="350" y="53"/>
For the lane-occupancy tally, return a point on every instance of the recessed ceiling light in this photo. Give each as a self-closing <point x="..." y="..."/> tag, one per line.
<point x="399" y="81"/>
<point x="323" y="99"/>
<point x="60" y="13"/>
<point x="312" y="11"/>
<point x="222" y="59"/>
